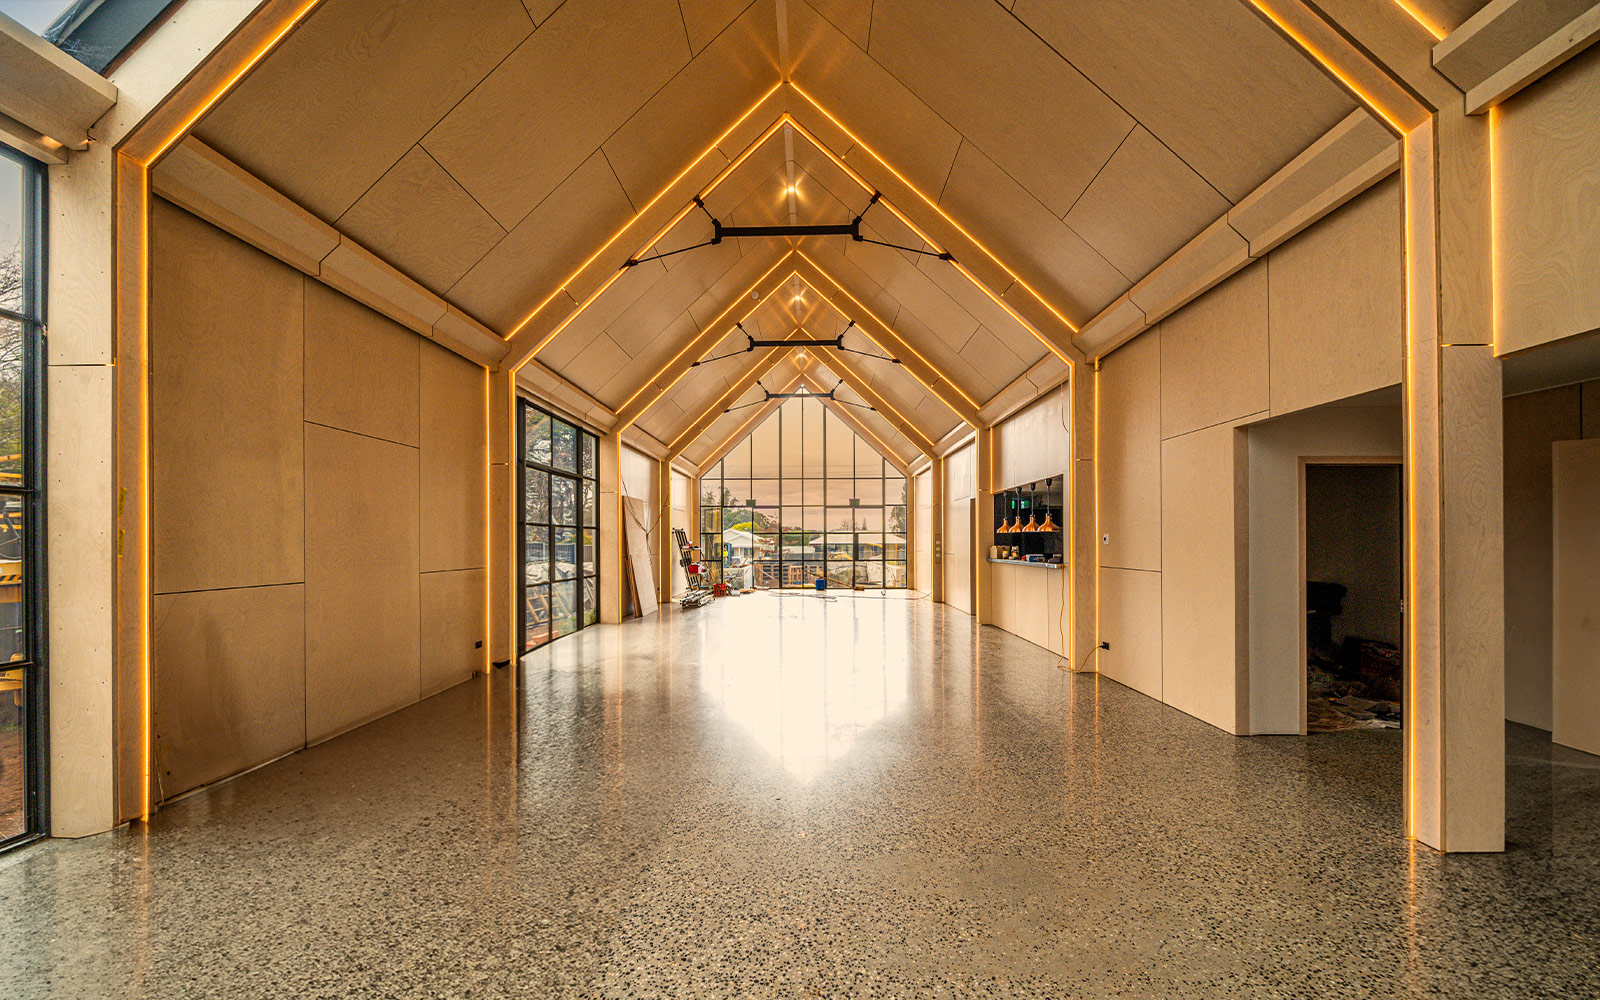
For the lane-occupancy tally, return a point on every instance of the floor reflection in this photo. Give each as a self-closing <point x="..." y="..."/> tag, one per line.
<point x="791" y="796"/>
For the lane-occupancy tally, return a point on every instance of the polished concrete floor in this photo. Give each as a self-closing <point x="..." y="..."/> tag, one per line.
<point x="796" y="797"/>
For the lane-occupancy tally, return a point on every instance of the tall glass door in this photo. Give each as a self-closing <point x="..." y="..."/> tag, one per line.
<point x="560" y="583"/>
<point x="22" y="684"/>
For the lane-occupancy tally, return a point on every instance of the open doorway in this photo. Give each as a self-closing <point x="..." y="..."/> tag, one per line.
<point x="1353" y="567"/>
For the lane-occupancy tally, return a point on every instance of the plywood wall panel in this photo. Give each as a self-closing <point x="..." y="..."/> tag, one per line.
<point x="226" y="397"/>
<point x="362" y="587"/>
<point x="1547" y="169"/>
<point x="1199" y="597"/>
<point x="1130" y="620"/>
<point x="1214" y="355"/>
<point x="1129" y="451"/>
<point x="361" y="368"/>
<point x="454" y="628"/>
<point x="1337" y="304"/>
<point x="229" y="682"/>
<point x="1576" y="649"/>
<point x="1532" y="423"/>
<point x="453" y="452"/>
<point x="1033" y="444"/>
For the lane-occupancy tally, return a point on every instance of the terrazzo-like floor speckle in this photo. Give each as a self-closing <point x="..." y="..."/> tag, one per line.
<point x="792" y="797"/>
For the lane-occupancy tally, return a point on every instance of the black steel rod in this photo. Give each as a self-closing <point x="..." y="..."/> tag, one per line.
<point x="847" y="229"/>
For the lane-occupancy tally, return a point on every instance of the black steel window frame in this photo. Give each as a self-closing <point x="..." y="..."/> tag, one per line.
<point x="29" y="494"/>
<point x="714" y="553"/>
<point x="586" y="518"/>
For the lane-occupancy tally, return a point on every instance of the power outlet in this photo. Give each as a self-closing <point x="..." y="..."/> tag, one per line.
<point x="1106" y="646"/>
<point x="1105" y="539"/>
<point x="478" y="644"/>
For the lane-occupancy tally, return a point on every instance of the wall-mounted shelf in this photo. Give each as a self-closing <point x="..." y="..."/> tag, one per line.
<point x="1024" y="562"/>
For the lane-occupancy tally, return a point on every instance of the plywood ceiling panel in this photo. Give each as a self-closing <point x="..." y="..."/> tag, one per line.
<point x="537" y="123"/>
<point x="1209" y="78"/>
<point x="852" y="18"/>
<point x="869" y="100"/>
<point x="1037" y="245"/>
<point x="344" y="96"/>
<point x="419" y="219"/>
<point x="594" y="365"/>
<point x="1003" y="89"/>
<point x="704" y="20"/>
<point x="697" y="105"/>
<point x="1143" y="206"/>
<point x="544" y="248"/>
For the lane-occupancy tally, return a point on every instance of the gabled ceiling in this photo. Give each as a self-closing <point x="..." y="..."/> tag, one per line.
<point x="512" y="155"/>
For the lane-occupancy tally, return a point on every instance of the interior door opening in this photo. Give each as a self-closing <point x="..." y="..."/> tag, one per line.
<point x="1354" y="578"/>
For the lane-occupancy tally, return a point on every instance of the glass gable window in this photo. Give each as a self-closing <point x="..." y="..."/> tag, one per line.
<point x="560" y="517"/>
<point x="803" y="498"/>
<point x="22" y="684"/>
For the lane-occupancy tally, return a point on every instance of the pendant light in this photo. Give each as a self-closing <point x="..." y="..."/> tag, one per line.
<point x="1048" y="524"/>
<point x="1005" y="519"/>
<point x="1032" y="525"/>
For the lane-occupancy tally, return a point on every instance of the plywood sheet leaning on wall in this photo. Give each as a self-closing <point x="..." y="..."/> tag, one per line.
<point x="641" y="566"/>
<point x="1575" y="650"/>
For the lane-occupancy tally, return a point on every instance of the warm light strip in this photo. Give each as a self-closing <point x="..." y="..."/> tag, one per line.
<point x="1412" y="607"/>
<point x="884" y="451"/>
<point x="931" y="204"/>
<point x="1494" y="232"/>
<point x="709" y="326"/>
<point x="721" y="176"/>
<point x="754" y="420"/>
<point x="942" y="377"/>
<point x="146" y="546"/>
<point x="1096" y="541"/>
<point x="144" y="541"/>
<point x="1416" y="15"/>
<point x="923" y="235"/>
<point x="878" y="398"/>
<point x="1328" y="64"/>
<point x="227" y="85"/>
<point x="488" y="521"/>
<point x="769" y="360"/>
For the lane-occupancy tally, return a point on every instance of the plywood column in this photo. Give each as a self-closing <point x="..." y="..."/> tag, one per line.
<point x="983" y="526"/>
<point x="936" y="530"/>
<point x="1454" y="727"/>
<point x="1083" y="538"/>
<point x="666" y="547"/>
<point x="613" y="550"/>
<point x="503" y="501"/>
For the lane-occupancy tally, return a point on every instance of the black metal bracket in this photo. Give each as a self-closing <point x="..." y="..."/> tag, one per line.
<point x="852" y="229"/>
